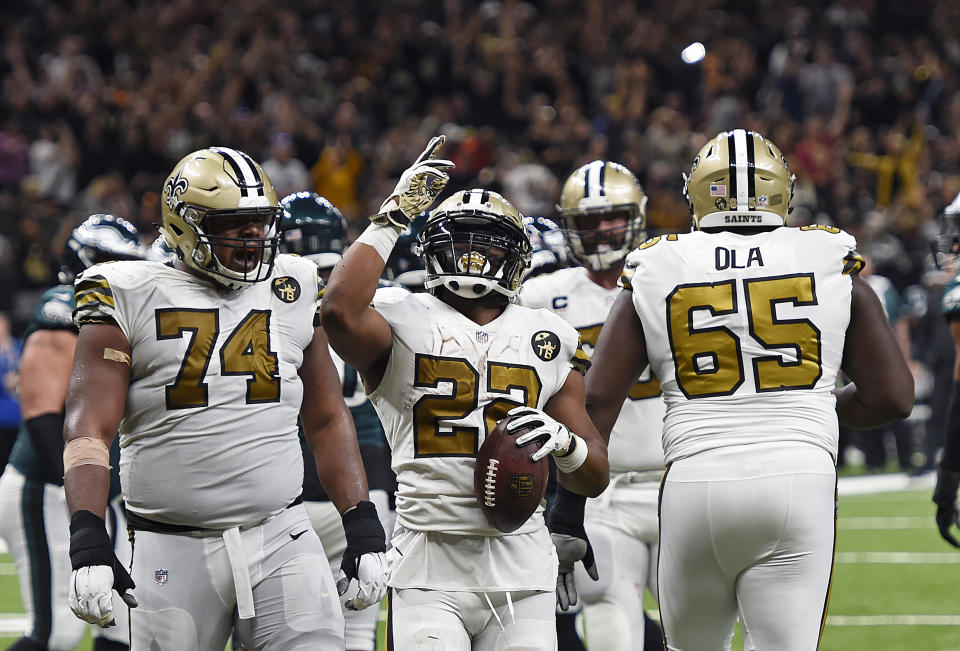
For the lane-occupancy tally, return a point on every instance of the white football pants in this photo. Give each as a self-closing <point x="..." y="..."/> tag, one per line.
<point x="747" y="529"/>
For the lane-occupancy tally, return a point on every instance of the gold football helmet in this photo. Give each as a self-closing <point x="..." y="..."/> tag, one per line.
<point x="739" y="179"/>
<point x="214" y="184"/>
<point x="599" y="191"/>
<point x="474" y="243"/>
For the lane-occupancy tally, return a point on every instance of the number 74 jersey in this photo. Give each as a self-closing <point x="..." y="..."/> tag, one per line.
<point x="746" y="333"/>
<point x="209" y="434"/>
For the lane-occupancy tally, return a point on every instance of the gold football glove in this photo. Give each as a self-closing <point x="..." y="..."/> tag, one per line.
<point x="417" y="189"/>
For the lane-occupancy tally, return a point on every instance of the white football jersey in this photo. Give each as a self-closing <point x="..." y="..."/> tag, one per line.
<point x="635" y="442"/>
<point x="209" y="434"/>
<point x="447" y="383"/>
<point x="746" y="333"/>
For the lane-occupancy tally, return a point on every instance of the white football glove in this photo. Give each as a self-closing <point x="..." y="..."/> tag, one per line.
<point x="91" y="594"/>
<point x="370" y="584"/>
<point x="419" y="185"/>
<point x="554" y="437"/>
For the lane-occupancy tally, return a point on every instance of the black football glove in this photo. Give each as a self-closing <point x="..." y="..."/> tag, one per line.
<point x="945" y="497"/>
<point x="570" y="539"/>
<point x="363" y="576"/>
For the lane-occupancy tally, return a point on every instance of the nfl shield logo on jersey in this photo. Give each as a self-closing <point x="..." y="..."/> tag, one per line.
<point x="160" y="576"/>
<point x="482" y="336"/>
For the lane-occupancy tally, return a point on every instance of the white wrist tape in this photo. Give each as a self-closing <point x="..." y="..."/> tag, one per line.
<point x="575" y="457"/>
<point x="381" y="238"/>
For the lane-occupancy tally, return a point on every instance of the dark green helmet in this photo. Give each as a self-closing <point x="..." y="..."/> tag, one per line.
<point x="100" y="238"/>
<point x="312" y="227"/>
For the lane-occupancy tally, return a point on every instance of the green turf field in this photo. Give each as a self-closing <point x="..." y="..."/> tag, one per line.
<point x="895" y="583"/>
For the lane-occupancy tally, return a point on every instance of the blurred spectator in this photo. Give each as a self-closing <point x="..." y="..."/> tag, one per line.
<point x="10" y="349"/>
<point x="100" y="99"/>
<point x="287" y="173"/>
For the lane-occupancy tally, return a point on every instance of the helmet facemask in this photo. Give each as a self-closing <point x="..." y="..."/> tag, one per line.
<point x="255" y="255"/>
<point x="220" y="215"/>
<point x="600" y="248"/>
<point x="472" y="254"/>
<point x="602" y="191"/>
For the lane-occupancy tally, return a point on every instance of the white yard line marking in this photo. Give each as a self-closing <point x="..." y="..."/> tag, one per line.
<point x="893" y="620"/>
<point x="885" y="483"/>
<point x="876" y="620"/>
<point x="904" y="522"/>
<point x="13" y="623"/>
<point x="899" y="558"/>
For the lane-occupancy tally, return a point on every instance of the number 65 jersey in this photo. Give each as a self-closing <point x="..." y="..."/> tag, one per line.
<point x="209" y="433"/>
<point x="746" y="333"/>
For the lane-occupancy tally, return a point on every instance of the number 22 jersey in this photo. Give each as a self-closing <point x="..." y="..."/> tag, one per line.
<point x="447" y="383"/>
<point x="746" y="333"/>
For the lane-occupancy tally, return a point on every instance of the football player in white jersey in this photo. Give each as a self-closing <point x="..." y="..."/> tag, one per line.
<point x="603" y="213"/>
<point x="442" y="368"/>
<point x="203" y="365"/>
<point x="747" y="323"/>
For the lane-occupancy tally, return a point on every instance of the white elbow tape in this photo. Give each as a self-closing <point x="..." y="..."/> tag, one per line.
<point x="85" y="451"/>
<point x="575" y="457"/>
<point x="381" y="238"/>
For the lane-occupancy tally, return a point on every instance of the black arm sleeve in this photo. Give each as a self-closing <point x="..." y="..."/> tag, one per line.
<point x="951" y="443"/>
<point x="46" y="434"/>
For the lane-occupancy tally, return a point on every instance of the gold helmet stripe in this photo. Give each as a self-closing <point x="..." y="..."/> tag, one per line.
<point x="246" y="171"/>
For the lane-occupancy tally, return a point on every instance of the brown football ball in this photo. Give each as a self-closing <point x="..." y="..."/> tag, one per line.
<point x="508" y="486"/>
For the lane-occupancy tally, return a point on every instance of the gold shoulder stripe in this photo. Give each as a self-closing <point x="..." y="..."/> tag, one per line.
<point x="649" y="243"/>
<point x="852" y="263"/>
<point x="90" y="299"/>
<point x="83" y="319"/>
<point x="820" y="227"/>
<point x="321" y="286"/>
<point x="626" y="281"/>
<point x="580" y="361"/>
<point x="93" y="282"/>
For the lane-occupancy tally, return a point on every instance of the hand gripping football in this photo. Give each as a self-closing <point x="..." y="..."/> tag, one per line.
<point x="508" y="486"/>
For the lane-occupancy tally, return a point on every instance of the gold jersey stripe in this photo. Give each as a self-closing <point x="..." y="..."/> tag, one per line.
<point x="94" y="282"/>
<point x="852" y="264"/>
<point x="321" y="286"/>
<point x="580" y="361"/>
<point x="83" y="319"/>
<point x="91" y="298"/>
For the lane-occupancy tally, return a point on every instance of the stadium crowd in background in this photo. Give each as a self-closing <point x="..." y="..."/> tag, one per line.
<point x="101" y="98"/>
